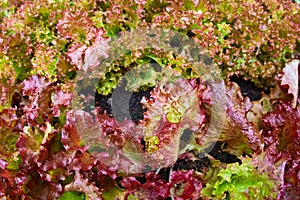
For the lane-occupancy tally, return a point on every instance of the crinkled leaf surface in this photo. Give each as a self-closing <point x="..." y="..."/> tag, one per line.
<point x="290" y="79"/>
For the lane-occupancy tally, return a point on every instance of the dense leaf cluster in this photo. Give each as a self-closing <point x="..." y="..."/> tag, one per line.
<point x="48" y="150"/>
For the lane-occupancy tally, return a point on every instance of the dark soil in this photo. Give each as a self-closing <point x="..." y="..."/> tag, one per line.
<point x="103" y="102"/>
<point x="197" y="165"/>
<point x="120" y="103"/>
<point x="225" y="157"/>
<point x="248" y="88"/>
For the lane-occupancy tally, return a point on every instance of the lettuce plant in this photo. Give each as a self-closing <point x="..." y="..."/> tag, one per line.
<point x="244" y="37"/>
<point x="48" y="150"/>
<point x="245" y="181"/>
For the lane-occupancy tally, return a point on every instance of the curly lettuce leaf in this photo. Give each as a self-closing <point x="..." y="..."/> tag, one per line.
<point x="73" y="196"/>
<point x="60" y="100"/>
<point x="77" y="26"/>
<point x="282" y="137"/>
<point x="37" y="103"/>
<point x="181" y="185"/>
<point x="239" y="133"/>
<point x="80" y="184"/>
<point x="39" y="189"/>
<point x="282" y="129"/>
<point x="246" y="181"/>
<point x="290" y="79"/>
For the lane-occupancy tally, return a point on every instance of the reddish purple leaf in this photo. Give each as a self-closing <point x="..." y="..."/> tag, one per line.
<point x="60" y="98"/>
<point x="290" y="79"/>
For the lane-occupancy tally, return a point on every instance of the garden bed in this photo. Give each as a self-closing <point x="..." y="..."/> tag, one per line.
<point x="149" y="99"/>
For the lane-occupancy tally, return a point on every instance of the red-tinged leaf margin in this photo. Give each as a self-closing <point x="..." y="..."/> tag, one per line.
<point x="290" y="80"/>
